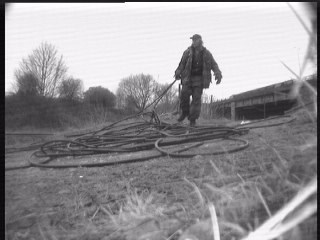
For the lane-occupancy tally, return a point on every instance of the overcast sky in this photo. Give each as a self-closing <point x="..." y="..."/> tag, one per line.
<point x="102" y="43"/>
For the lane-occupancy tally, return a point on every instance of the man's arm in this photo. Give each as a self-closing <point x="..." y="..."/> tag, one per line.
<point x="215" y="68"/>
<point x="181" y="65"/>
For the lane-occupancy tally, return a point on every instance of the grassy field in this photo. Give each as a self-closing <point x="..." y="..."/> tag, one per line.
<point x="167" y="198"/>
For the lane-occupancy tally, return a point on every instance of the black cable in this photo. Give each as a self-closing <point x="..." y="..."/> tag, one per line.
<point x="130" y="137"/>
<point x="176" y="154"/>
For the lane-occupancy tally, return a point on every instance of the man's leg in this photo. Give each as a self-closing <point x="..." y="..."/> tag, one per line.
<point x="195" y="107"/>
<point x="186" y="92"/>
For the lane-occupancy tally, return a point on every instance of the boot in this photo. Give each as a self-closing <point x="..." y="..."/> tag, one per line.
<point x="192" y="122"/>
<point x="182" y="117"/>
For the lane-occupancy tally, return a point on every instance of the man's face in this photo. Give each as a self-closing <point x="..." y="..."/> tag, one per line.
<point x="196" y="42"/>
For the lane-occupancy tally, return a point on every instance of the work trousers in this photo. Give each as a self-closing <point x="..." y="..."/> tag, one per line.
<point x="192" y="88"/>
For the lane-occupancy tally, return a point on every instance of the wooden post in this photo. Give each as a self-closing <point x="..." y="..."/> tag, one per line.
<point x="233" y="111"/>
<point x="210" y="110"/>
<point x="178" y="110"/>
<point x="223" y="110"/>
<point x="264" y="109"/>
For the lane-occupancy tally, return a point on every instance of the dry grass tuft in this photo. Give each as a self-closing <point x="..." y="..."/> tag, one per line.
<point x="138" y="208"/>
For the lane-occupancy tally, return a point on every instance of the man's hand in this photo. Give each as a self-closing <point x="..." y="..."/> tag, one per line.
<point x="177" y="75"/>
<point x="218" y="77"/>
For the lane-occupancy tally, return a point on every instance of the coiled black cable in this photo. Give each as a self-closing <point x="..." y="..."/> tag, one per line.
<point x="152" y="135"/>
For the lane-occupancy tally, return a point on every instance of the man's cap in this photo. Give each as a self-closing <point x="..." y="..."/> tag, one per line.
<point x="195" y="36"/>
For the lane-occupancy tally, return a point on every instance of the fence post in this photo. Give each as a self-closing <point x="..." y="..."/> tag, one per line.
<point x="264" y="109"/>
<point x="233" y="111"/>
<point x="210" y="109"/>
<point x="223" y="110"/>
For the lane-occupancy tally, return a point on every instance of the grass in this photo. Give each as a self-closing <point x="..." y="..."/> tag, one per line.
<point x="140" y="203"/>
<point x="168" y="197"/>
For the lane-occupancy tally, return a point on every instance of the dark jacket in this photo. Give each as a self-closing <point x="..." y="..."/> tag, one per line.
<point x="184" y="68"/>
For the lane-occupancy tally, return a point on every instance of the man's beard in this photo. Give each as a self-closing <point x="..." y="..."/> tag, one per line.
<point x="197" y="46"/>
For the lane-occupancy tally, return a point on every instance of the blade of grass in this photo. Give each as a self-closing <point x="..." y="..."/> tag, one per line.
<point x="269" y="234"/>
<point x="300" y="20"/>
<point x="306" y="192"/>
<point x="41" y="232"/>
<point x="197" y="190"/>
<point x="263" y="202"/>
<point x="214" y="219"/>
<point x="290" y="70"/>
<point x="303" y="214"/>
<point x="215" y="167"/>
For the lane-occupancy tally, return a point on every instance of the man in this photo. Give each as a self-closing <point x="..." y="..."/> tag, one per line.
<point x="194" y="70"/>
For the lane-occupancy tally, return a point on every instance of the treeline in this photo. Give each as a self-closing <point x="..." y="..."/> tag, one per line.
<point x="45" y="96"/>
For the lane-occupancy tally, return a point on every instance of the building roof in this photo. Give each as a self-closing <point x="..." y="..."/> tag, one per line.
<point x="278" y="87"/>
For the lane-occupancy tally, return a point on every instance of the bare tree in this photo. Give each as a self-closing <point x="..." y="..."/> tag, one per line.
<point x="46" y="66"/>
<point x="139" y="89"/>
<point x="71" y="89"/>
<point x="170" y="96"/>
<point x="100" y="96"/>
<point x="26" y="84"/>
<point x="121" y="99"/>
<point x="168" y="100"/>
